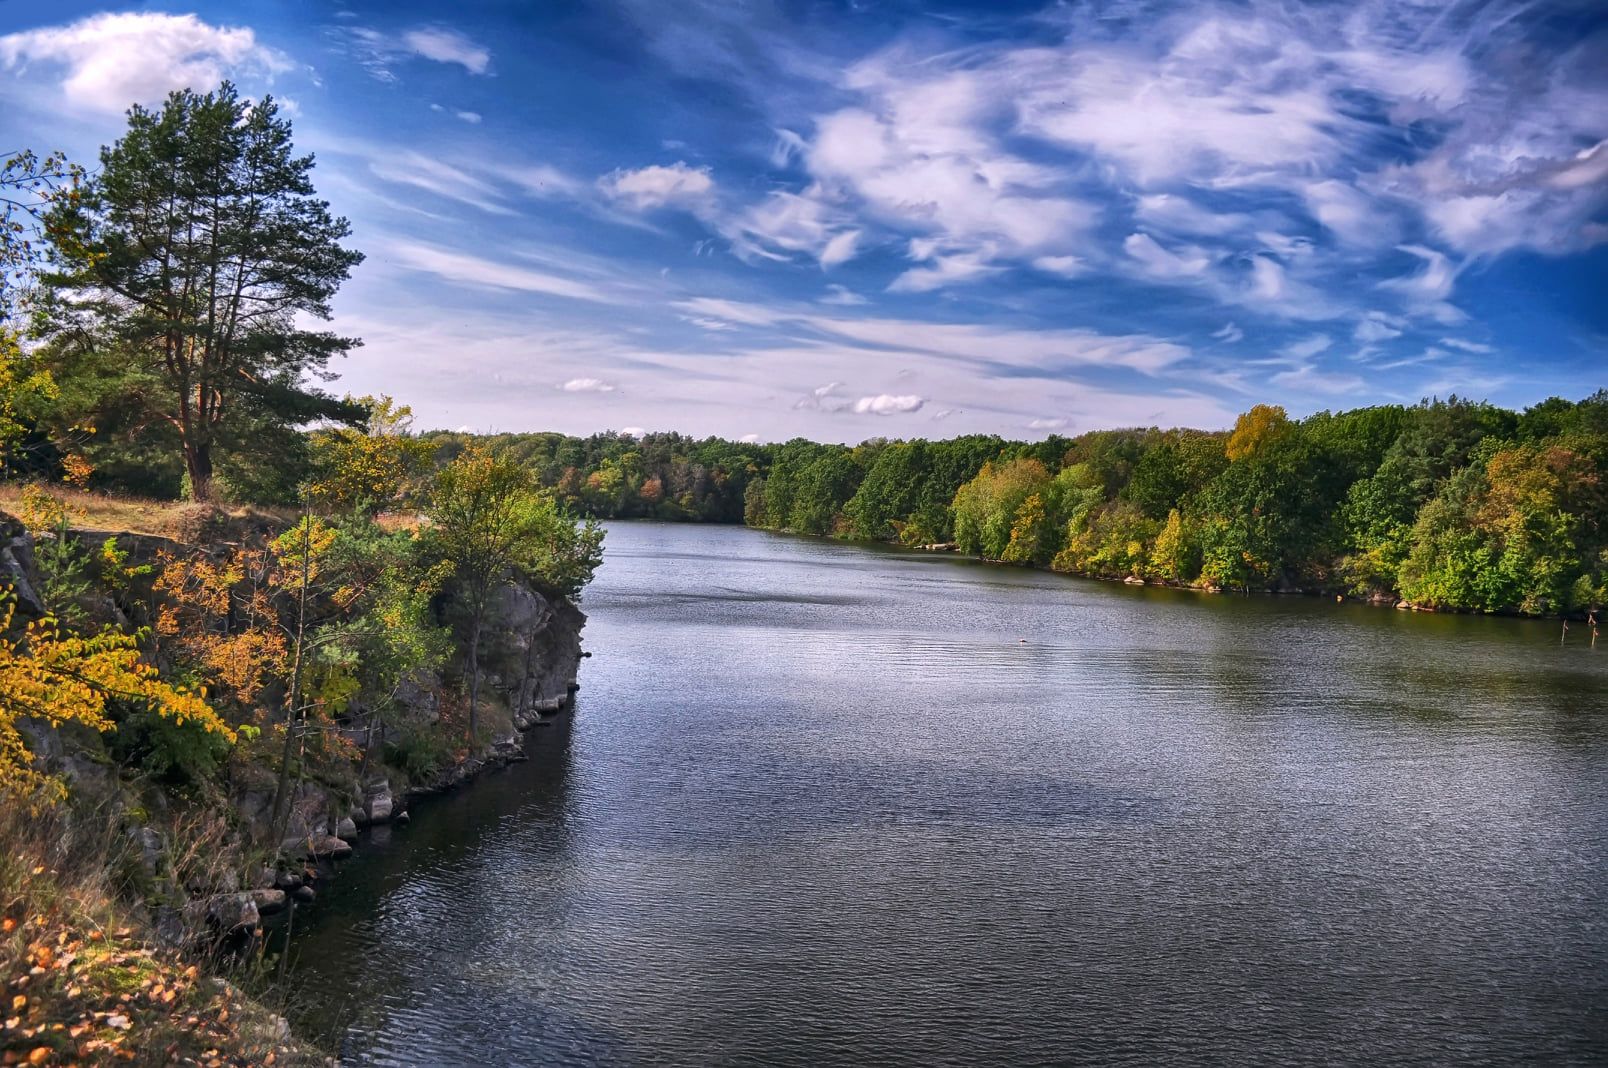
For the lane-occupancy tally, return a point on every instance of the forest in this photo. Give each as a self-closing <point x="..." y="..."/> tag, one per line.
<point x="1447" y="504"/>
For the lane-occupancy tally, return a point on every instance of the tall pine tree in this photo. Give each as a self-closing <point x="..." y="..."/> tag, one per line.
<point x="195" y="250"/>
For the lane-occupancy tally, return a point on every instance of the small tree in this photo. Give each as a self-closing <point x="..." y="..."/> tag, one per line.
<point x="481" y="524"/>
<point x="198" y="248"/>
<point x="365" y="470"/>
<point x="62" y="678"/>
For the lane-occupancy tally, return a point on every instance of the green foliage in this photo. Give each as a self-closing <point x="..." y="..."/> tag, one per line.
<point x="618" y="476"/>
<point x="1363" y="501"/>
<point x="418" y="752"/>
<point x="990" y="506"/>
<point x="1526" y="531"/>
<point x="1112" y="544"/>
<point x="196" y="252"/>
<point x="183" y="755"/>
<point x="367" y="470"/>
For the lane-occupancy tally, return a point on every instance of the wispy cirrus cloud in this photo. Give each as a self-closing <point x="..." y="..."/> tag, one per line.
<point x="381" y="52"/>
<point x="466" y="269"/>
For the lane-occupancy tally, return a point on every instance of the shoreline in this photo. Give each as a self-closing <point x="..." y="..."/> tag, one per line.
<point x="1380" y="600"/>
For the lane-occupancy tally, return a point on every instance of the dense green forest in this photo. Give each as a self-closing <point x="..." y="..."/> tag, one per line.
<point x="1449" y="503"/>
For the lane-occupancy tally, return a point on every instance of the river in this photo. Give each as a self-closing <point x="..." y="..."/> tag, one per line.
<point x="826" y="804"/>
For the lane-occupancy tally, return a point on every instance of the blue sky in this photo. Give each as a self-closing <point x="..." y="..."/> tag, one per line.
<point x="857" y="219"/>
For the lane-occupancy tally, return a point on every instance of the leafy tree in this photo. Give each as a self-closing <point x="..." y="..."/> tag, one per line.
<point x="1263" y="425"/>
<point x="29" y="186"/>
<point x="1032" y="534"/>
<point x="367" y="469"/>
<point x="754" y="504"/>
<point x="481" y="524"/>
<point x="1175" y="555"/>
<point x="1522" y="531"/>
<point x="1112" y="545"/>
<point x="197" y="250"/>
<point x="61" y="678"/>
<point x="987" y="508"/>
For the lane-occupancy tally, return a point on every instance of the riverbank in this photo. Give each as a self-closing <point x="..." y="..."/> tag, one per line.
<point x="1339" y="594"/>
<point x="193" y="852"/>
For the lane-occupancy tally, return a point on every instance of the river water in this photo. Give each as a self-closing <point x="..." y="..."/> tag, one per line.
<point x="825" y="804"/>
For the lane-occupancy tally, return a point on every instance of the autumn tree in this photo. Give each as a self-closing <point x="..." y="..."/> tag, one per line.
<point x="199" y="250"/>
<point x="480" y="524"/>
<point x="58" y="678"/>
<point x="366" y="468"/>
<point x="1256" y="429"/>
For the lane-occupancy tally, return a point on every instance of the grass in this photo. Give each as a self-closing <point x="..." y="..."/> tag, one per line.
<point x="83" y="982"/>
<point x="180" y="520"/>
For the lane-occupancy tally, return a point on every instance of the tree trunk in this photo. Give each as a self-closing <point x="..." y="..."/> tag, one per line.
<point x="282" y="796"/>
<point x="198" y="462"/>
<point x="474" y="674"/>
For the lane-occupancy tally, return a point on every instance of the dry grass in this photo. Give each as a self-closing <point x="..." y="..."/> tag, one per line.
<point x="141" y="515"/>
<point x="83" y="982"/>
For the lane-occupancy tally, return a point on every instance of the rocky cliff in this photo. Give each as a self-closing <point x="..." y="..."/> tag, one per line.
<point x="202" y="857"/>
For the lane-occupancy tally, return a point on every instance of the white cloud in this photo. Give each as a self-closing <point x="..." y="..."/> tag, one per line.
<point x="945" y="271"/>
<point x="453" y="182"/>
<point x="1158" y="262"/>
<point x="378" y="52"/>
<point x="1311" y="380"/>
<point x="1353" y="217"/>
<point x="1065" y="266"/>
<point x="1046" y="424"/>
<point x="647" y="188"/>
<point x="749" y="439"/>
<point x="587" y="385"/>
<point x="1177" y="214"/>
<point x="842" y="296"/>
<point x="471" y="117"/>
<point x="1377" y="326"/>
<point x="1308" y="347"/>
<point x="110" y="61"/>
<point x="447" y="46"/>
<point x="979" y="345"/>
<point x="1433" y="284"/>
<point x="1229" y="334"/>
<point x="733" y="311"/>
<point x="783" y="224"/>
<point x="465" y="269"/>
<point x="888" y="404"/>
<point x="1467" y="346"/>
<point x="840" y="248"/>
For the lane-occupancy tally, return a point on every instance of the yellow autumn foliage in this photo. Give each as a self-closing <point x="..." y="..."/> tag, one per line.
<point x="61" y="678"/>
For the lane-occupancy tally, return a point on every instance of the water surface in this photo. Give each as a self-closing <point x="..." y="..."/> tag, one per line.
<point x="820" y="804"/>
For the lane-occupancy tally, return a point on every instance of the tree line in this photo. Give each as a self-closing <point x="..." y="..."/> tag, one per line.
<point x="1448" y="504"/>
